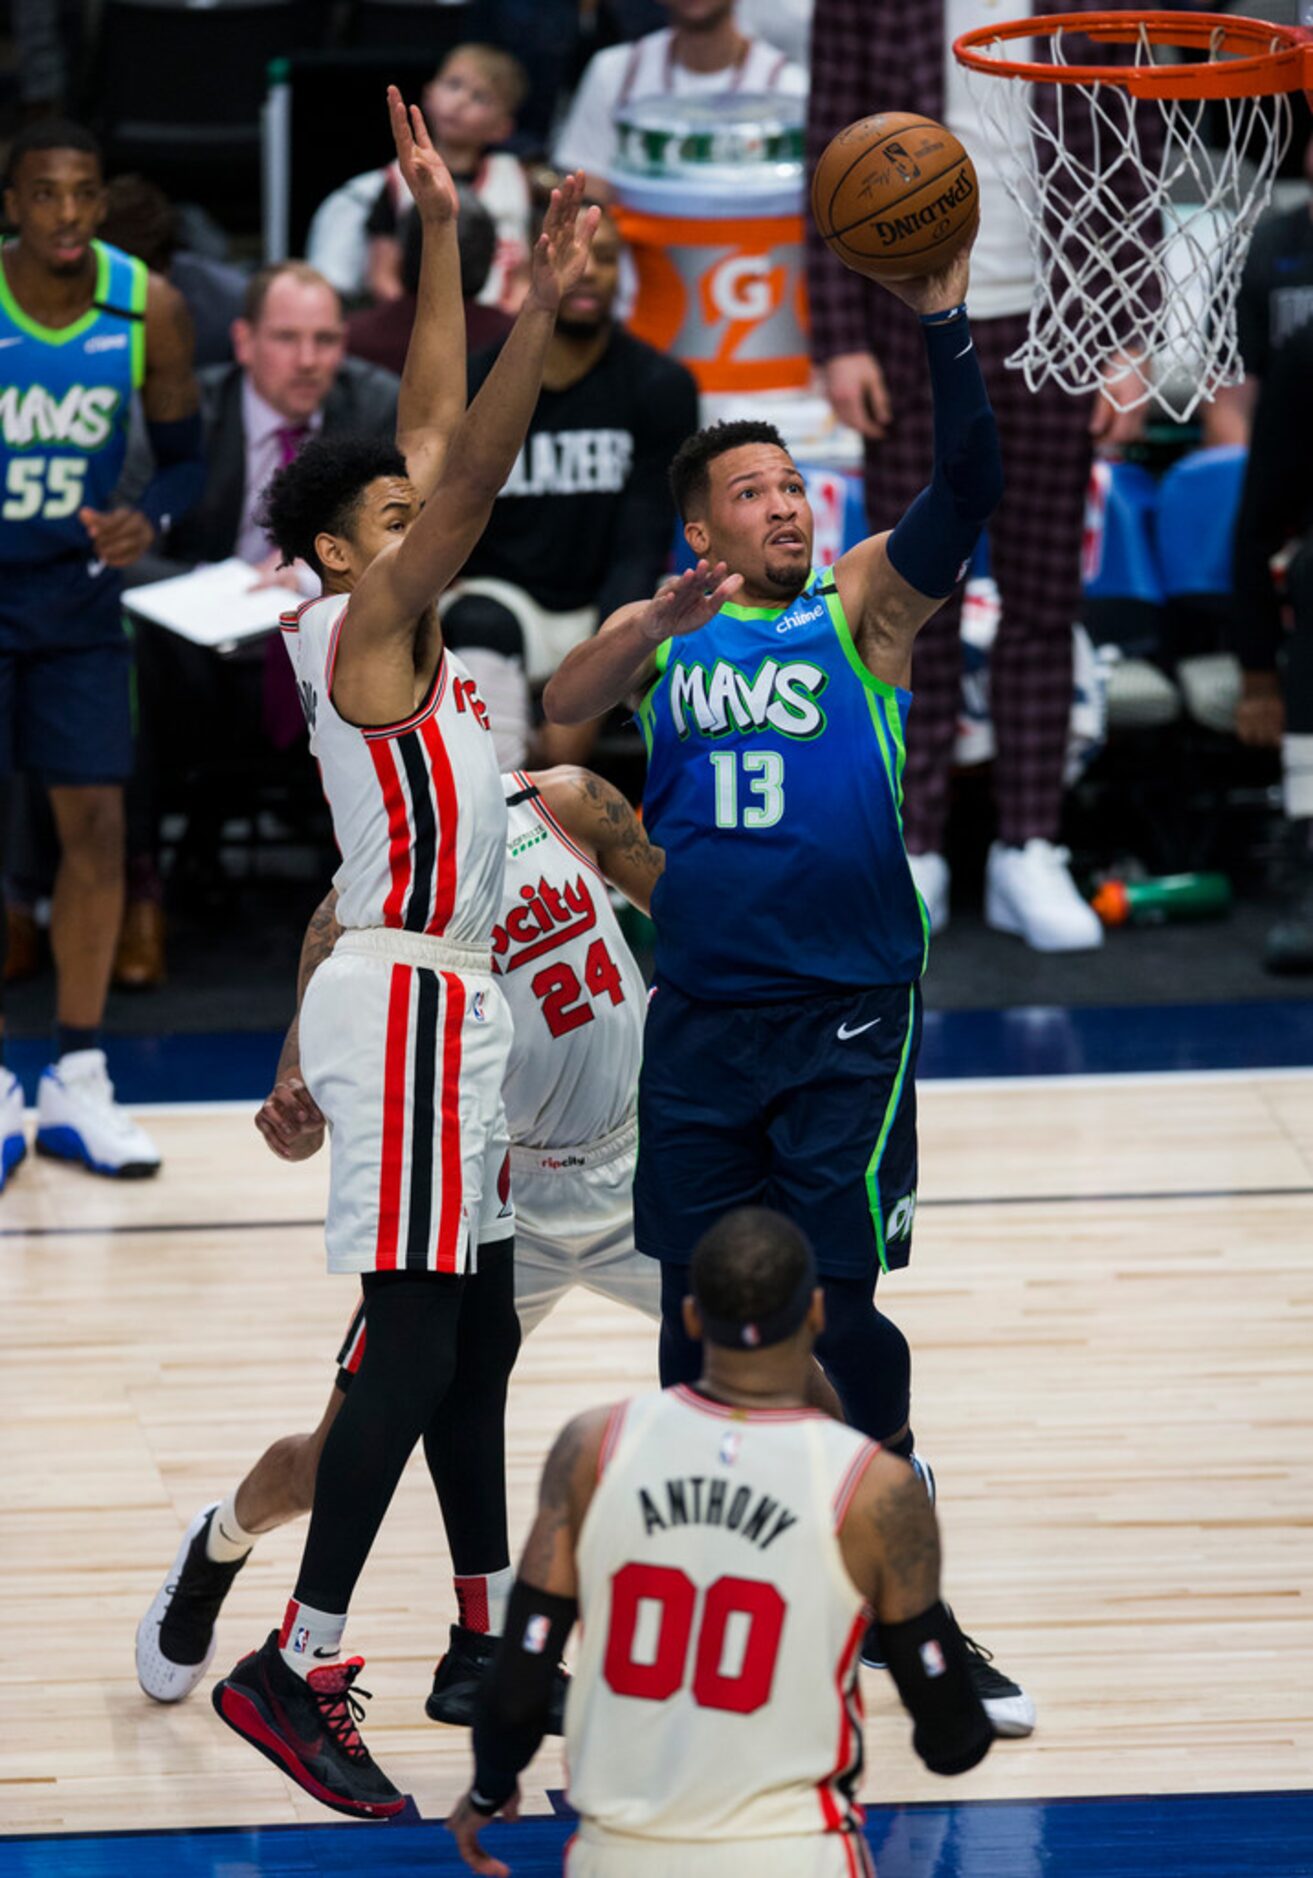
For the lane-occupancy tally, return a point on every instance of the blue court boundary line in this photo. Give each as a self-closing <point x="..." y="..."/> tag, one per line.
<point x="120" y="1227"/>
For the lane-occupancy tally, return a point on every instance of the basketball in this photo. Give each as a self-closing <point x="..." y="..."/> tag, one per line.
<point x="895" y="196"/>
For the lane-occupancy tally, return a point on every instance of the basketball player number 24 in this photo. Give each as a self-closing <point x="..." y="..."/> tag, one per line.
<point x="763" y="776"/>
<point x="738" y="1638"/>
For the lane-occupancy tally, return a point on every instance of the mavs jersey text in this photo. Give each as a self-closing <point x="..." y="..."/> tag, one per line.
<point x="774" y="784"/>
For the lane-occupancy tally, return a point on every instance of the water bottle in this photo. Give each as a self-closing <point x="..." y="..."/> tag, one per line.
<point x="1171" y="896"/>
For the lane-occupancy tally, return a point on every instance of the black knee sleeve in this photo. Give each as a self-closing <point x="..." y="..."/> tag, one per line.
<point x="409" y="1363"/>
<point x="476" y="620"/>
<point x="866" y="1357"/>
<point x="679" y="1357"/>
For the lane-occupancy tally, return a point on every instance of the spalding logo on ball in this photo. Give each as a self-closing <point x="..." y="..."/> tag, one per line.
<point x="895" y="196"/>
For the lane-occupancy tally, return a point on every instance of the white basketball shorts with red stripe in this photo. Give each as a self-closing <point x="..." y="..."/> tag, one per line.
<point x="404" y="1043"/>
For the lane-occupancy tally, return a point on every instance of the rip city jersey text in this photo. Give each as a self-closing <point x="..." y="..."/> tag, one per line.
<point x="774" y="784"/>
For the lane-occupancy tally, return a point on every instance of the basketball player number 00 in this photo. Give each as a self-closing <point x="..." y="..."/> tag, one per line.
<point x="740" y="1692"/>
<point x="763" y="772"/>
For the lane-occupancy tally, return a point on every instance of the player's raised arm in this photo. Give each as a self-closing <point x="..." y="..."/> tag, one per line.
<point x="431" y="403"/>
<point x="596" y="816"/>
<point x="406" y="576"/>
<point x="892" y="583"/>
<point x="890" y="1544"/>
<point x="619" y="660"/>
<point x="514" y="1700"/>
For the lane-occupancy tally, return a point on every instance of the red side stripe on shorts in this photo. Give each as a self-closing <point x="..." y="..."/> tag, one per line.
<point x="449" y="1225"/>
<point x="444" y="792"/>
<point x="399" y="842"/>
<point x="394" y="1119"/>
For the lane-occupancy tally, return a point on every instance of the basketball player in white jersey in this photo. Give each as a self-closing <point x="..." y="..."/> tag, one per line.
<point x="405" y="1033"/>
<point x="724" y="1548"/>
<point x="577" y="999"/>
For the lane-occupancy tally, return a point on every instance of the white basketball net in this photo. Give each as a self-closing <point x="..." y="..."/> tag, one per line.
<point x="1165" y="312"/>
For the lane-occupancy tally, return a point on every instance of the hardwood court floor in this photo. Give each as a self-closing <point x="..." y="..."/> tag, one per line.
<point x="1110" y="1305"/>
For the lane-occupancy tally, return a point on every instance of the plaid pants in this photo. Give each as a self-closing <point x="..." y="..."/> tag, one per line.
<point x="1035" y="548"/>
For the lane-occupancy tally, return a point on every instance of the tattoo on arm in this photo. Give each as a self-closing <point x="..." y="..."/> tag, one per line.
<point x="909" y="1544"/>
<point x="321" y="935"/>
<point x="618" y="831"/>
<point x="556" y="1504"/>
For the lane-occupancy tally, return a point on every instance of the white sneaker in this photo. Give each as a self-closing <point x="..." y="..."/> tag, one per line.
<point x="1030" y="892"/>
<point x="77" y="1119"/>
<point x="13" y="1142"/>
<point x="933" y="878"/>
<point x="175" y="1639"/>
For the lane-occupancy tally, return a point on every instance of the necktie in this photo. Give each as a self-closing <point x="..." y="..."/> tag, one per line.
<point x="290" y="438"/>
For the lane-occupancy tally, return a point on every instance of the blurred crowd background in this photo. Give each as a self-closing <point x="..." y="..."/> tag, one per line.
<point x="1126" y="693"/>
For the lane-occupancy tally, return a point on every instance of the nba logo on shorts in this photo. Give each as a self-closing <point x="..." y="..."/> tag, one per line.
<point x="535" y="1635"/>
<point x="300" y="1640"/>
<point x="477" y="1011"/>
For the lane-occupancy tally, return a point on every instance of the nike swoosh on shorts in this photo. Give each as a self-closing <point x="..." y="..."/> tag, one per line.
<point x="843" y="1033"/>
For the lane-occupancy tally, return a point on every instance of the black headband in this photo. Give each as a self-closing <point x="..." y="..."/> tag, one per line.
<point x="757" y="1333"/>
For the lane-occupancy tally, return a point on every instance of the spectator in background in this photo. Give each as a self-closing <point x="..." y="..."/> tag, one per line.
<point x="381" y="333"/>
<point x="1275" y="300"/>
<point x="869" y="350"/>
<point x="140" y="219"/>
<point x="702" y="53"/>
<point x="585" y="519"/>
<point x="1275" y="523"/>
<point x="469" y="106"/>
<point x="292" y="379"/>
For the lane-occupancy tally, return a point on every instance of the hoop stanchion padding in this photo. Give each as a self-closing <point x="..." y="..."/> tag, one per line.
<point x="1138" y="230"/>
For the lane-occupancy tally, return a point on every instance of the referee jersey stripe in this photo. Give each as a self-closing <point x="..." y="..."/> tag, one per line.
<point x="444" y="790"/>
<point x="449" y="1225"/>
<point x="394" y="1118"/>
<point x="420" y="1225"/>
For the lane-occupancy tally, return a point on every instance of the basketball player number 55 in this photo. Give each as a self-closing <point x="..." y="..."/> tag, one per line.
<point x="762" y="775"/>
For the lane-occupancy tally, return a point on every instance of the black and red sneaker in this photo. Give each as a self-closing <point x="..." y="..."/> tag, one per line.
<point x="459" y="1673"/>
<point x="307" y="1725"/>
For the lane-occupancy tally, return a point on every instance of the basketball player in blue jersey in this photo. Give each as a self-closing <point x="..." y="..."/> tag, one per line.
<point x="83" y="328"/>
<point x="780" y="1050"/>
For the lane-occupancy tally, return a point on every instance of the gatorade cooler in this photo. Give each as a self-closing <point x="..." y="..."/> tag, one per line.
<point x="710" y="200"/>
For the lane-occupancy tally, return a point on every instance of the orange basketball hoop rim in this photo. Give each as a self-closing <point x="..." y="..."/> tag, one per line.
<point x="1247" y="58"/>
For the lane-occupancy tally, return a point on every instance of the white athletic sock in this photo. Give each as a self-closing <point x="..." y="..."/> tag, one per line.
<point x="227" y="1538"/>
<point x="481" y="1600"/>
<point x="310" y="1638"/>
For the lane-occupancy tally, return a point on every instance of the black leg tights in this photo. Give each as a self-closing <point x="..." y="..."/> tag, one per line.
<point x="417" y="1344"/>
<point x="465" y="1443"/>
<point x="863" y="1352"/>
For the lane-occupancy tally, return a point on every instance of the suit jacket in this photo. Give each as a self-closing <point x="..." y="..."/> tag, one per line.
<point x="873" y="55"/>
<point x="363" y="398"/>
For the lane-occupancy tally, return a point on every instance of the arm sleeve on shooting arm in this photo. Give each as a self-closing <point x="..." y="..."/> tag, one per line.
<point x="928" y="1661"/>
<point x="936" y="537"/>
<point x="514" y="1702"/>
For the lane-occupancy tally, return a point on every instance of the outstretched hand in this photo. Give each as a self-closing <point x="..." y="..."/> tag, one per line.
<point x="685" y="605"/>
<point x="560" y="254"/>
<point x="427" y="176"/>
<point x="941" y="291"/>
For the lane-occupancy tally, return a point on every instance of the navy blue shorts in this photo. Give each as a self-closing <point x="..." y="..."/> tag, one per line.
<point x="65" y="675"/>
<point x="809" y="1107"/>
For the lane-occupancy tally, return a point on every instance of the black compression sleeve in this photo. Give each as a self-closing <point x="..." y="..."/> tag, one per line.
<point x="928" y="1661"/>
<point x="511" y="1715"/>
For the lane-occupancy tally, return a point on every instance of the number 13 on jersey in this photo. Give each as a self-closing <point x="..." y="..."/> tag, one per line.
<point x="741" y="775"/>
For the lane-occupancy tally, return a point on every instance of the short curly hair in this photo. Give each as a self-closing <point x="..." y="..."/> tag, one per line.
<point x="690" y="476"/>
<point x="320" y="491"/>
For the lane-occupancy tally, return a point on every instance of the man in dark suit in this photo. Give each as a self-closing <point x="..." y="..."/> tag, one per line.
<point x="292" y="379"/>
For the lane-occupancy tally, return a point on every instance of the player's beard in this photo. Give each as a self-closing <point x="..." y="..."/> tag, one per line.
<point x="787" y="576"/>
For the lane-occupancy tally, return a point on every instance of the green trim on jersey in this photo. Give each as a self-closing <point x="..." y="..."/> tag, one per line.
<point x="891" y="1110"/>
<point x="57" y="335"/>
<point x="140" y="289"/>
<point x="840" y="622"/>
